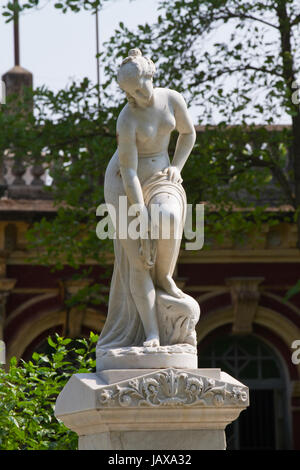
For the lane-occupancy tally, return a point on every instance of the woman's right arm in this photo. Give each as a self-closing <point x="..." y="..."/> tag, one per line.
<point x="128" y="158"/>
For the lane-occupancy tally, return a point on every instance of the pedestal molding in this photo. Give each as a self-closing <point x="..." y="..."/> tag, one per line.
<point x="171" y="407"/>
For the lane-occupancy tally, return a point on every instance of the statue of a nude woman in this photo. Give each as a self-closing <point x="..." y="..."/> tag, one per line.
<point x="141" y="170"/>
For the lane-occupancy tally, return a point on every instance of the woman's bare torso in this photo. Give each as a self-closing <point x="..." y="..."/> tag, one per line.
<point x="153" y="127"/>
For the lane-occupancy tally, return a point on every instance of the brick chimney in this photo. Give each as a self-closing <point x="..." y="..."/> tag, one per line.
<point x="16" y="79"/>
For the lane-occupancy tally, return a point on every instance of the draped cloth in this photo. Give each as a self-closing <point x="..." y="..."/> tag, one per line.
<point x="123" y="327"/>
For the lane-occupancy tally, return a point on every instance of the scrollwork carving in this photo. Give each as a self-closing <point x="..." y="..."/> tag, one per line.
<point x="172" y="388"/>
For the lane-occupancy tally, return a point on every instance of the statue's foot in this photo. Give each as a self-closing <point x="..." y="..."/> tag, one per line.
<point x="170" y="287"/>
<point x="152" y="341"/>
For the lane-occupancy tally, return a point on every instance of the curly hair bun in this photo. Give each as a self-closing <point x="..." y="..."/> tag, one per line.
<point x="134" y="65"/>
<point x="134" y="52"/>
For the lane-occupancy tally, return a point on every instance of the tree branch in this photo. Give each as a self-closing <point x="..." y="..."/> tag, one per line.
<point x="231" y="14"/>
<point x="278" y="174"/>
<point x="295" y="21"/>
<point x="237" y="69"/>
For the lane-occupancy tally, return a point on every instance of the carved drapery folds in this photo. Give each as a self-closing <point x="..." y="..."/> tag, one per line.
<point x="245" y="297"/>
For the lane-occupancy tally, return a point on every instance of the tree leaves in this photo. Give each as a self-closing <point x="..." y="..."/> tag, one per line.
<point x="293" y="291"/>
<point x="239" y="76"/>
<point x="28" y="392"/>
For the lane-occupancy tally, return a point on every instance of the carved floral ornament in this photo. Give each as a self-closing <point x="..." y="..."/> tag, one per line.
<point x="171" y="388"/>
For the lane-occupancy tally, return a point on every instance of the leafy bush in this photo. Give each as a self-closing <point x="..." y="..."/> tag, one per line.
<point x="28" y="392"/>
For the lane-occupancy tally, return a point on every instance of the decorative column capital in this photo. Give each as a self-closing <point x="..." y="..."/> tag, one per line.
<point x="6" y="286"/>
<point x="73" y="286"/>
<point x="245" y="297"/>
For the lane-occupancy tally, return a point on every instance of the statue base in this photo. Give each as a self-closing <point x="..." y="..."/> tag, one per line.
<point x="179" y="356"/>
<point x="159" y="409"/>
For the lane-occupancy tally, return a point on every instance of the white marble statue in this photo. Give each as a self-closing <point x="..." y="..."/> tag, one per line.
<point x="147" y="313"/>
<point x="147" y="392"/>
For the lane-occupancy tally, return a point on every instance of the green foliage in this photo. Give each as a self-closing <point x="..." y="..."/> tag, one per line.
<point x="224" y="75"/>
<point x="28" y="392"/>
<point x="294" y="290"/>
<point x="73" y="139"/>
<point x="247" y="78"/>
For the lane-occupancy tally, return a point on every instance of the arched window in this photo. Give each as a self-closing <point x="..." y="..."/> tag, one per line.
<point x="265" y="424"/>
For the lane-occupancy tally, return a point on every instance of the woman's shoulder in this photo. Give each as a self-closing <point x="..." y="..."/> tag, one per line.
<point x="126" y="119"/>
<point x="174" y="96"/>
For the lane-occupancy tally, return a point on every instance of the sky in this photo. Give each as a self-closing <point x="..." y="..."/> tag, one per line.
<point x="58" y="47"/>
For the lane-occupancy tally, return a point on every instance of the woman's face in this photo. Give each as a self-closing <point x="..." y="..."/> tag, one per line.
<point x="140" y="88"/>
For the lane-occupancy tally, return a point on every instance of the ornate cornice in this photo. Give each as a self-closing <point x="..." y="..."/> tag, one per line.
<point x="170" y="388"/>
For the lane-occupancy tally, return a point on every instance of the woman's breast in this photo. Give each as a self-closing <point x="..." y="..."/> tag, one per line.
<point x="167" y="124"/>
<point x="161" y="126"/>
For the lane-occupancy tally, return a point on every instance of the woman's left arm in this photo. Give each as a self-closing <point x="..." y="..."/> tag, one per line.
<point x="187" y="134"/>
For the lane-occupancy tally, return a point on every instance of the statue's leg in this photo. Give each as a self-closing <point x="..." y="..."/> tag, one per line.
<point x="143" y="292"/>
<point x="168" y="248"/>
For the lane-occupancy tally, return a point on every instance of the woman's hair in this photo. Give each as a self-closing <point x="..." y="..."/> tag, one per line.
<point x="134" y="65"/>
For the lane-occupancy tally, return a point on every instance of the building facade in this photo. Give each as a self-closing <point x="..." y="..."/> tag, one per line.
<point x="247" y="327"/>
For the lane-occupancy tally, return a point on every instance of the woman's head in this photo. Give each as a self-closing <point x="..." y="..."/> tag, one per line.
<point x="135" y="77"/>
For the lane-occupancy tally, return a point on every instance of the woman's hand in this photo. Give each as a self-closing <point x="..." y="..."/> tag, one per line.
<point x="173" y="174"/>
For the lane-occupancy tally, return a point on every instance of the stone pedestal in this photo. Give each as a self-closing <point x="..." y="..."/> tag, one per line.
<point x="151" y="409"/>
